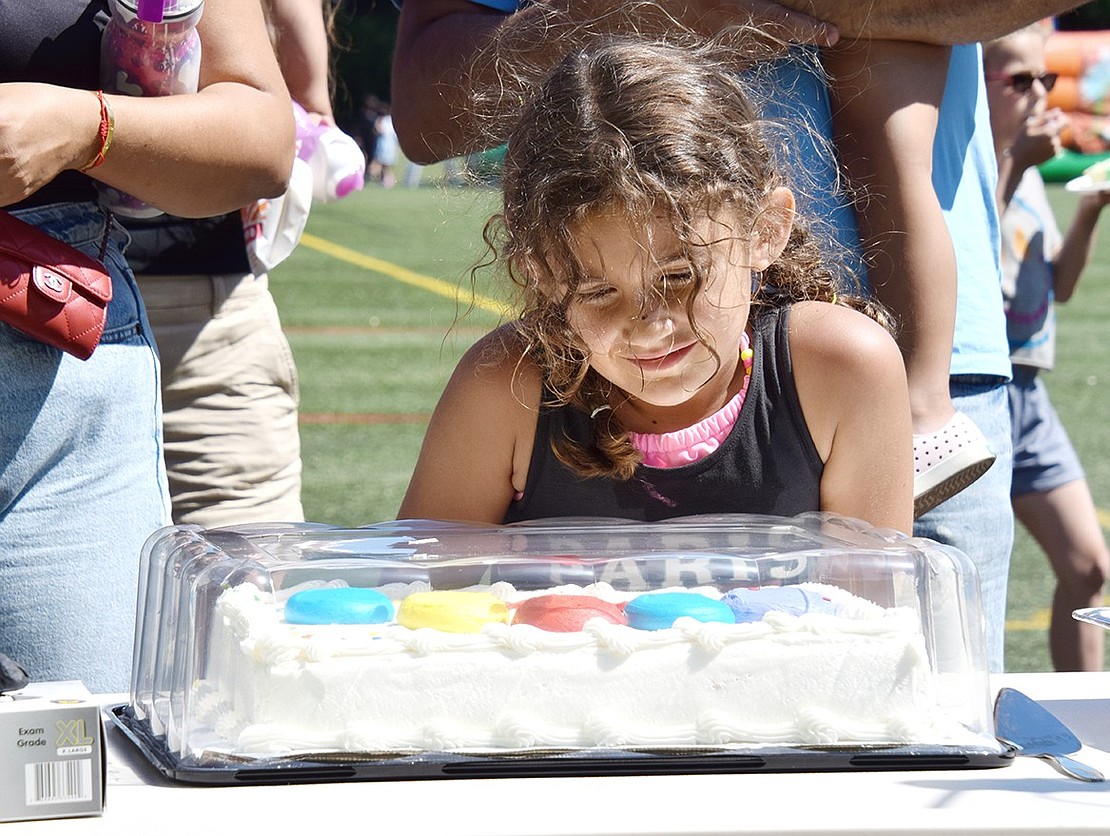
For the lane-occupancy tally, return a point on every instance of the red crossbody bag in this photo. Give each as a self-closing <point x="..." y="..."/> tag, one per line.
<point x="51" y="291"/>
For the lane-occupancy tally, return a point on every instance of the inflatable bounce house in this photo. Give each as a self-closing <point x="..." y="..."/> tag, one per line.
<point x="1082" y="61"/>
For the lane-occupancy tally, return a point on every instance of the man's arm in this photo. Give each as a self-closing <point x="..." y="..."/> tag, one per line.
<point x="434" y="74"/>
<point x="432" y="82"/>
<point x="946" y="22"/>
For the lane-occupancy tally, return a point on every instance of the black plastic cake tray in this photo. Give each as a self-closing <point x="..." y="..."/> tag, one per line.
<point x="545" y="763"/>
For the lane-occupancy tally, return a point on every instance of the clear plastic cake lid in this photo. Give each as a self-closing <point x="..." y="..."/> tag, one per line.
<point x="437" y="645"/>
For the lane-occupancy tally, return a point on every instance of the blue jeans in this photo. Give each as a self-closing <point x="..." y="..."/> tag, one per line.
<point x="979" y="521"/>
<point x="82" y="483"/>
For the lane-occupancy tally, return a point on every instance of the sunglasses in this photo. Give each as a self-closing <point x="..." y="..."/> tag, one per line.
<point x="1023" y="82"/>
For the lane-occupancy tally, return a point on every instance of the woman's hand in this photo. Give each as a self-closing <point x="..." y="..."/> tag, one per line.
<point x="44" y="129"/>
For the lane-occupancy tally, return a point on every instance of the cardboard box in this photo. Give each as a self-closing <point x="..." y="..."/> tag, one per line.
<point x="52" y="753"/>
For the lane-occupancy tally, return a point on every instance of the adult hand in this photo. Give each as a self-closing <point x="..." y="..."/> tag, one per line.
<point x="43" y="130"/>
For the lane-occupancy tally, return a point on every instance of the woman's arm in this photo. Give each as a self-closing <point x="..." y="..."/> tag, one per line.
<point x="1078" y="245"/>
<point x="192" y="155"/>
<point x="301" y="41"/>
<point x="479" y="441"/>
<point x="852" y="387"/>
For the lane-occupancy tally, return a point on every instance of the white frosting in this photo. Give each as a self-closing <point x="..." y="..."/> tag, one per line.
<point x="862" y="676"/>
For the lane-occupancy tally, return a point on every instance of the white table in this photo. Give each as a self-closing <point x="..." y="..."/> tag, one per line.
<point x="1029" y="797"/>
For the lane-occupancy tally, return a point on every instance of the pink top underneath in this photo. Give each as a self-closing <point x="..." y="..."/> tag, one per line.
<point x="680" y="447"/>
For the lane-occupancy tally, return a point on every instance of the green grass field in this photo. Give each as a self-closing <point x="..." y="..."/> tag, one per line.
<point x="378" y="303"/>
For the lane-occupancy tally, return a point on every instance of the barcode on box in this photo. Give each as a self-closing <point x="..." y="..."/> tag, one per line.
<point x="59" y="782"/>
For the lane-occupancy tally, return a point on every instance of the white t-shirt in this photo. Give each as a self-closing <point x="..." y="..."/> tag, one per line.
<point x="1030" y="242"/>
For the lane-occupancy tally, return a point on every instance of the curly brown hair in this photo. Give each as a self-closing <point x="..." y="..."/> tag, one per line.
<point x="645" y="129"/>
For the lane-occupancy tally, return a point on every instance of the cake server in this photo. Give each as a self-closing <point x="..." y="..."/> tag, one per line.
<point x="1036" y="732"/>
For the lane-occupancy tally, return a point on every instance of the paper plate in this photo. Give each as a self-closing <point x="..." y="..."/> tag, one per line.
<point x="1094" y="615"/>
<point x="1083" y="184"/>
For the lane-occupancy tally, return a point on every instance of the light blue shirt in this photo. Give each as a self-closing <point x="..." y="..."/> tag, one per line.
<point x="965" y="173"/>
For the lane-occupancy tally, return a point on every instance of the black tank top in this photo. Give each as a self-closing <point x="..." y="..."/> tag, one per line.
<point x="168" y="245"/>
<point x="767" y="464"/>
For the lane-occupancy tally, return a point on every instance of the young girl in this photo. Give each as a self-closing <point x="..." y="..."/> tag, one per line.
<point x="1040" y="266"/>
<point x="681" y="348"/>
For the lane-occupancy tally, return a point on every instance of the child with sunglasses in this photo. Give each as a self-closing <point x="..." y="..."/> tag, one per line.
<point x="682" y="346"/>
<point x="1022" y="82"/>
<point x="1040" y="267"/>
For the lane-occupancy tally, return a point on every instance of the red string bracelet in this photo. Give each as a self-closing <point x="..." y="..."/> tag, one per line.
<point x="104" y="134"/>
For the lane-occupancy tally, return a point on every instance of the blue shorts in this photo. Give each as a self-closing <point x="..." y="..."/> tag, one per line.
<point x="1044" y="458"/>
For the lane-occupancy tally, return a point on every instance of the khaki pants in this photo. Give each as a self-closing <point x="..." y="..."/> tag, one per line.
<point x="229" y="394"/>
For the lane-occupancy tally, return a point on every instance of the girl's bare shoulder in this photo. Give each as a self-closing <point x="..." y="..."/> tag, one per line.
<point x="478" y="443"/>
<point x="498" y="366"/>
<point x="822" y="333"/>
<point x="847" y="367"/>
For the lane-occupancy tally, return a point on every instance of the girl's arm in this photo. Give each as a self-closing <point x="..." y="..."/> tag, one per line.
<point x="852" y="386"/>
<point x="479" y="442"/>
<point x="1038" y="140"/>
<point x="1079" y="242"/>
<point x="192" y="155"/>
